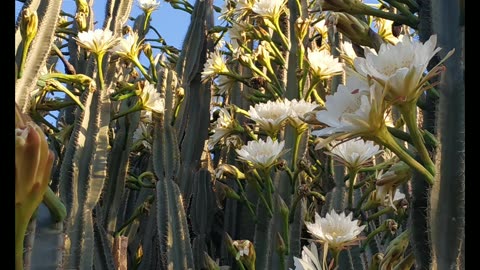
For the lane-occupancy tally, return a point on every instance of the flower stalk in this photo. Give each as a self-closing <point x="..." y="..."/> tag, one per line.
<point x="385" y="138"/>
<point x="409" y="112"/>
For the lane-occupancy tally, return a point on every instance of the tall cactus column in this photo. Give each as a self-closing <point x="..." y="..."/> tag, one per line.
<point x="448" y="194"/>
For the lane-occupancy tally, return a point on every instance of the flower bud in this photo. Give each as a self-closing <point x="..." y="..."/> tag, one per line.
<point x="147" y="50"/>
<point x="29" y="24"/>
<point x="33" y="164"/>
<point x="82" y="6"/>
<point x="227" y="170"/>
<point x="227" y="191"/>
<point x="81" y="20"/>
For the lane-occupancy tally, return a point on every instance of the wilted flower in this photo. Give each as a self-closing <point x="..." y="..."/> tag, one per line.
<point x="128" y="47"/>
<point x="98" y="41"/>
<point x="355" y="153"/>
<point x="270" y="116"/>
<point x="245" y="253"/>
<point x="323" y="64"/>
<point x="309" y="260"/>
<point x="214" y="65"/>
<point x="337" y="231"/>
<point x="151" y="99"/>
<point x="387" y="183"/>
<point x="227" y="170"/>
<point x="261" y="154"/>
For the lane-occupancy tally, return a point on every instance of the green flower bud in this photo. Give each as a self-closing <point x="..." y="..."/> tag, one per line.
<point x="227" y="170"/>
<point x="29" y="24"/>
<point x="82" y="6"/>
<point x="81" y="20"/>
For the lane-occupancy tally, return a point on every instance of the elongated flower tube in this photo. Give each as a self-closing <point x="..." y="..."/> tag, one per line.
<point x="33" y="164"/>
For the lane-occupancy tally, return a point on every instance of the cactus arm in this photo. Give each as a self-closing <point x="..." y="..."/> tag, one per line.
<point x="117" y="11"/>
<point x="38" y="54"/>
<point x="448" y="195"/>
<point x="103" y="252"/>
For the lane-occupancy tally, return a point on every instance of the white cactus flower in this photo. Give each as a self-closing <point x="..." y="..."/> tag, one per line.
<point x="309" y="260"/>
<point x="400" y="68"/>
<point x="337" y="231"/>
<point x="298" y="108"/>
<point x="224" y="126"/>
<point x="270" y="116"/>
<point x="151" y="99"/>
<point x="148" y="6"/>
<point x="128" y="47"/>
<point x="214" y="65"/>
<point x="269" y="9"/>
<point x="98" y="41"/>
<point x="261" y="154"/>
<point x="323" y="64"/>
<point x="355" y="153"/>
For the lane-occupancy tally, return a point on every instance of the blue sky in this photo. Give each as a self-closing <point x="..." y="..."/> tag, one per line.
<point x="171" y="23"/>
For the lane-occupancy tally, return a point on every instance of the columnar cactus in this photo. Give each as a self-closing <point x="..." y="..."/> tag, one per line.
<point x="284" y="137"/>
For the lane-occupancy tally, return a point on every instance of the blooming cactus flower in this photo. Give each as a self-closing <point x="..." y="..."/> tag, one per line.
<point x="355" y="153"/>
<point x="148" y="6"/>
<point x="151" y="99"/>
<point x="337" y="230"/>
<point x="98" y="41"/>
<point x="399" y="68"/>
<point x="323" y="64"/>
<point x="271" y="115"/>
<point x="128" y="47"/>
<point x="214" y="65"/>
<point x="261" y="154"/>
<point x="298" y="108"/>
<point x="270" y="9"/>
